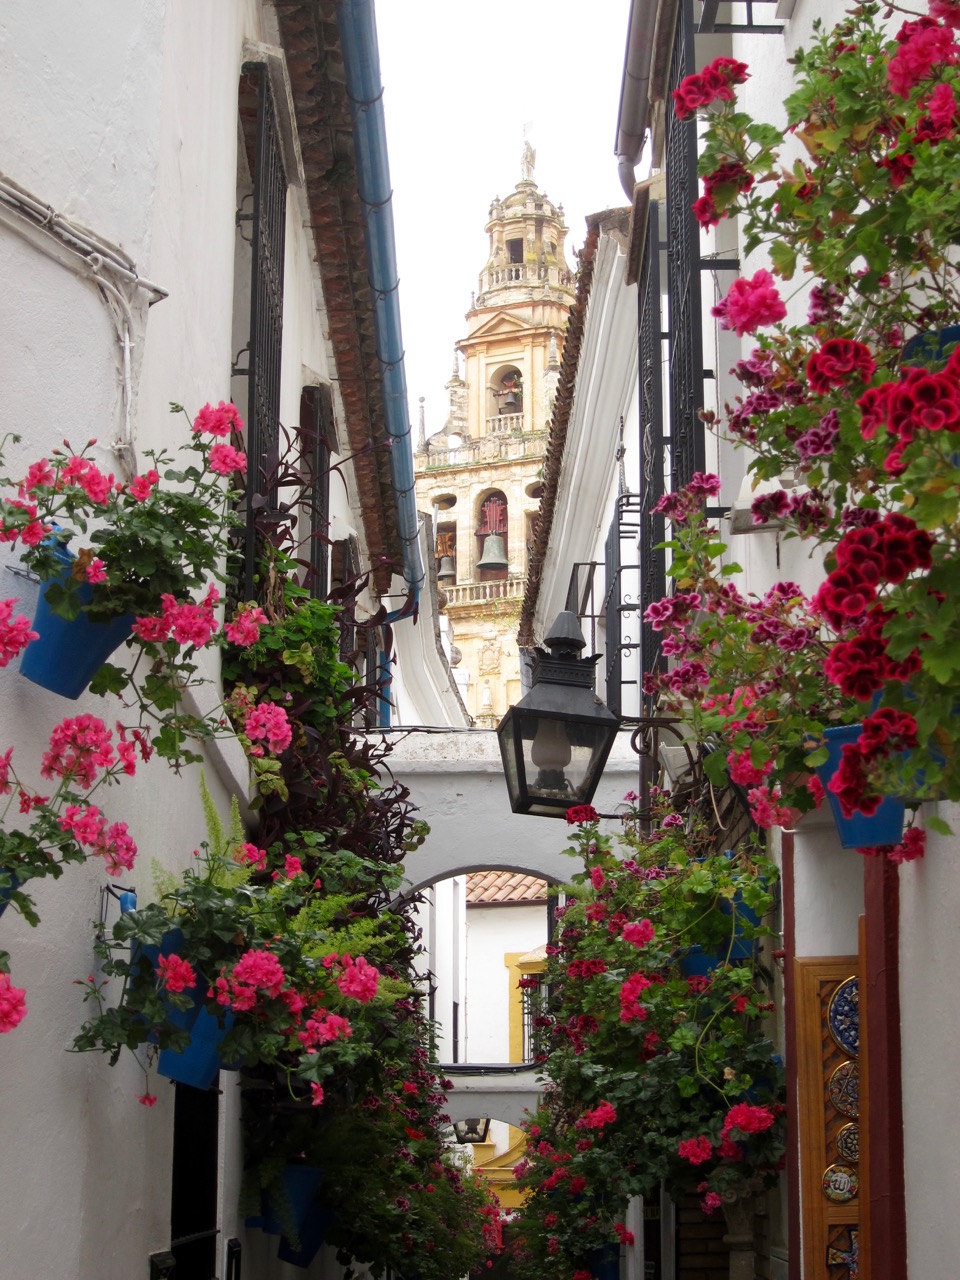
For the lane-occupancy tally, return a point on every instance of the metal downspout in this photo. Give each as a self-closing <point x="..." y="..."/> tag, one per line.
<point x="358" y="37"/>
<point x="632" y="117"/>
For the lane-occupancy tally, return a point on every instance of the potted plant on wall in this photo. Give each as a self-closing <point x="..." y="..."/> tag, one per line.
<point x="150" y="545"/>
<point x="300" y="939"/>
<point x="754" y="677"/>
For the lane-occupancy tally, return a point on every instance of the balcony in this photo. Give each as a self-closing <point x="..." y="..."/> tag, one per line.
<point x="468" y="593"/>
<point x="498" y="446"/>
<point x="503" y="424"/>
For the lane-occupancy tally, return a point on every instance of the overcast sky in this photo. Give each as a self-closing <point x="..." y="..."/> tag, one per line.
<point x="461" y="80"/>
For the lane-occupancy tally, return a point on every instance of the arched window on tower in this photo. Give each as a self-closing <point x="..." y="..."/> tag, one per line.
<point x="446" y="554"/>
<point x="492" y="538"/>
<point x="505" y="408"/>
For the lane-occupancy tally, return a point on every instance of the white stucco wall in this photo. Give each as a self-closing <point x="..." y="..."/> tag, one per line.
<point x="125" y="120"/>
<point x="441" y="917"/>
<point x="456" y="777"/>
<point x="493" y="933"/>
<point x="930" y="1043"/>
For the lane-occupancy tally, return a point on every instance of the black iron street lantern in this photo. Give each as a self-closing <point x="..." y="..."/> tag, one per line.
<point x="474" y="1130"/>
<point x="555" y="741"/>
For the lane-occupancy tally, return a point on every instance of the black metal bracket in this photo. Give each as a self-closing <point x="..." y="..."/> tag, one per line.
<point x="234" y="1259"/>
<point x="162" y="1265"/>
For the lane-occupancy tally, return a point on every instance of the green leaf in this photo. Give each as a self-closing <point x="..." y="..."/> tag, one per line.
<point x="63" y="601"/>
<point x="109" y="679"/>
<point x="938" y="825"/>
<point x="784" y="259"/>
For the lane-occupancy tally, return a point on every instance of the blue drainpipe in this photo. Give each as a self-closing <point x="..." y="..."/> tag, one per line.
<point x="361" y="56"/>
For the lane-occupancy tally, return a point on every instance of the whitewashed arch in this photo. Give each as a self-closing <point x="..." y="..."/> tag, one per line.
<point x="456" y="778"/>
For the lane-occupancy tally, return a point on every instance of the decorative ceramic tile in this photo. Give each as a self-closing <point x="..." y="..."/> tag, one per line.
<point x="848" y="1142"/>
<point x="849" y="1257"/>
<point x="843" y="1016"/>
<point x="840" y="1183"/>
<point x="843" y="1089"/>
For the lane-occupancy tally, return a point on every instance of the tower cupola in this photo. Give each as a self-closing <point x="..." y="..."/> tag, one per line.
<point x="527" y="234"/>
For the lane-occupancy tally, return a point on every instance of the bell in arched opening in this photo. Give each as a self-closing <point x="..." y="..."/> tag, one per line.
<point x="494" y="555"/>
<point x="447" y="571"/>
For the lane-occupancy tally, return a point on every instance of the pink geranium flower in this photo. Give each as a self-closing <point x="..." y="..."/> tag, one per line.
<point x="359" y="979"/>
<point x="15" y="632"/>
<point x="175" y="973"/>
<point x="638" y="932"/>
<point x="224" y="458"/>
<point x="13" y="1004"/>
<point x="750" y="304"/>
<point x="270" y="722"/>
<point x="218" y="420"/>
<point x="245" y="628"/>
<point x="142" y="486"/>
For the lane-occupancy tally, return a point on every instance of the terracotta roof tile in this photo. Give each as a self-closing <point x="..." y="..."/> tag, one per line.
<point x="311" y="41"/>
<point x="501" y="888"/>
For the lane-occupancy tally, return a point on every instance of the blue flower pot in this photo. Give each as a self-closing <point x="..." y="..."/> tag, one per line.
<point x="605" y="1263"/>
<point x="860" y="831"/>
<point x="7" y="891"/>
<point x="696" y="961"/>
<point x="68" y="654"/>
<point x="172" y="944"/>
<point x="928" y="348"/>
<point x="199" y="1063"/>
<point x="295" y="1206"/>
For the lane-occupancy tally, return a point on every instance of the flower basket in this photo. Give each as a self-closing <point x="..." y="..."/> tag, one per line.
<point x="861" y="831"/>
<point x="929" y="348"/>
<point x="69" y="652"/>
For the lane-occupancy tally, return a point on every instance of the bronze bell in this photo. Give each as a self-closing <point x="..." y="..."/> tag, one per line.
<point x="447" y="572"/>
<point x="494" y="556"/>
<point x="511" y="402"/>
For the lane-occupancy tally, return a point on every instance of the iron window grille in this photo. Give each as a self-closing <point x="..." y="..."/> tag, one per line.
<point x="533" y="1003"/>
<point x="650" y="339"/>
<point x="687" y="448"/>
<point x="316" y="445"/>
<point x="268" y="229"/>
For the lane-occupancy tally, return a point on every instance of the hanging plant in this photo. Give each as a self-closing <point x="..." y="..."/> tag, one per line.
<point x="656" y="1074"/>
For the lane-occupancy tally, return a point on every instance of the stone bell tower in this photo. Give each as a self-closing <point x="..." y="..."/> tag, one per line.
<point x="480" y="476"/>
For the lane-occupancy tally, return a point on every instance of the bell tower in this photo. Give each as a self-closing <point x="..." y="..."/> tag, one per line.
<point x="479" y="476"/>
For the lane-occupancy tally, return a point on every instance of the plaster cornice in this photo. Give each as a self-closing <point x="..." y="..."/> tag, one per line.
<point x="572" y="503"/>
<point x="562" y="408"/>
